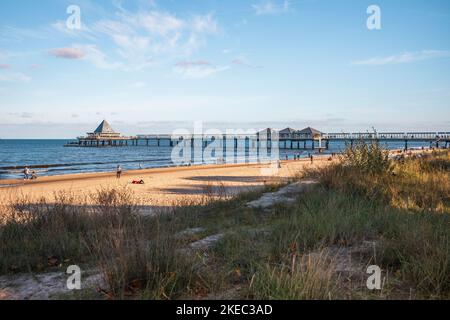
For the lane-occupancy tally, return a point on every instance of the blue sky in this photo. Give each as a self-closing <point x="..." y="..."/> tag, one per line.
<point x="154" y="66"/>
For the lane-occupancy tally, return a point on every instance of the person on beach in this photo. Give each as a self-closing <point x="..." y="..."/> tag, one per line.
<point x="118" y="171"/>
<point x="312" y="158"/>
<point x="26" y="173"/>
<point x="33" y="175"/>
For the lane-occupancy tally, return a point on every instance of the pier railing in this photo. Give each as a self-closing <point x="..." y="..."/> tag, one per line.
<point x="421" y="136"/>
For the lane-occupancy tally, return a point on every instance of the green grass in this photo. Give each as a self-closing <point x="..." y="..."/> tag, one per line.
<point x="283" y="253"/>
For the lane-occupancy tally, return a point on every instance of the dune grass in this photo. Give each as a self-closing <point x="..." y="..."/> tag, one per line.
<point x="290" y="251"/>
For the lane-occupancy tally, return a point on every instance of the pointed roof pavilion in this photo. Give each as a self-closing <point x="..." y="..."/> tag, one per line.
<point x="104" y="127"/>
<point x="310" y="132"/>
<point x="288" y="130"/>
<point x="104" y="130"/>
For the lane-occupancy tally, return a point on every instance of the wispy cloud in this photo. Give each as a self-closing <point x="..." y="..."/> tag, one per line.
<point x="197" y="69"/>
<point x="98" y="58"/>
<point x="83" y="32"/>
<point x="14" y="77"/>
<point x="89" y="53"/>
<point x="408" y="57"/>
<point x="23" y="115"/>
<point x="145" y="36"/>
<point x="243" y="63"/>
<point x="270" y="7"/>
<point x="68" y="53"/>
<point x="5" y="66"/>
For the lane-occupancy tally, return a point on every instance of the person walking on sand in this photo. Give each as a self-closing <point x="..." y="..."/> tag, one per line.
<point x="26" y="173"/>
<point x="118" y="171"/>
<point x="312" y="158"/>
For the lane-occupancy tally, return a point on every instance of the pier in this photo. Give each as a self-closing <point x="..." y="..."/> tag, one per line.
<point x="305" y="139"/>
<point x="435" y="139"/>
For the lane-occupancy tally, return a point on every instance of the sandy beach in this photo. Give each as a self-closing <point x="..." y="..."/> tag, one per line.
<point x="163" y="186"/>
<point x="166" y="186"/>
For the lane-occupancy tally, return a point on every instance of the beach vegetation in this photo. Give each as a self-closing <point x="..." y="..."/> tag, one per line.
<point x="367" y="209"/>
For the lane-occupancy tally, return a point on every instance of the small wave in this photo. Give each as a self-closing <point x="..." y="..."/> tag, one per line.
<point x="57" y="165"/>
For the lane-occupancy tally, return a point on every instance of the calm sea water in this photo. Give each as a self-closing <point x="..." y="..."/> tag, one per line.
<point x="50" y="157"/>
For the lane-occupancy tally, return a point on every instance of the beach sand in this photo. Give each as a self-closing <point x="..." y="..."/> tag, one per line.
<point x="163" y="186"/>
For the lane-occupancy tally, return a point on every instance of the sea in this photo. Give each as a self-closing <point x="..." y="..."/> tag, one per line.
<point x="50" y="157"/>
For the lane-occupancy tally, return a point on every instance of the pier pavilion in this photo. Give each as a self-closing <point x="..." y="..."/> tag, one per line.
<point x="103" y="136"/>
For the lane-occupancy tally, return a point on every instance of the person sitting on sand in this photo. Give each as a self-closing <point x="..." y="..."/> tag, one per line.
<point x="33" y="175"/>
<point x="118" y="171"/>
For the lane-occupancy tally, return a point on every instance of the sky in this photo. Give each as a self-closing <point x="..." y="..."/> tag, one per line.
<point x="153" y="66"/>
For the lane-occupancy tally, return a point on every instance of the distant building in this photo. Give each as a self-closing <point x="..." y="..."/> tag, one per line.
<point x="287" y="133"/>
<point x="103" y="131"/>
<point x="267" y="134"/>
<point x="103" y="136"/>
<point x="308" y="133"/>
